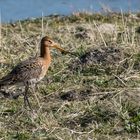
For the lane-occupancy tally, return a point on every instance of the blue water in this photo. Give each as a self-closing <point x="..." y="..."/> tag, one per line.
<point x="12" y="10"/>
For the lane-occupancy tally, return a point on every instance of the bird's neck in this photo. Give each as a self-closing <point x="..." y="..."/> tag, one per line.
<point x="45" y="54"/>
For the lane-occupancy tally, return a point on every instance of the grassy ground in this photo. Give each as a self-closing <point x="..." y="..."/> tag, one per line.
<point x="94" y="95"/>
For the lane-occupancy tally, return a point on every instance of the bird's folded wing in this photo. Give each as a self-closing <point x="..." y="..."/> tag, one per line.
<point x="24" y="71"/>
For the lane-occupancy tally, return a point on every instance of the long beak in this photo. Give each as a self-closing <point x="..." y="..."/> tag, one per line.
<point x="63" y="51"/>
<point x="60" y="49"/>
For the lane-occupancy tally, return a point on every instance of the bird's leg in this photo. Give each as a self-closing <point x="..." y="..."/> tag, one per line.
<point x="26" y="100"/>
<point x="34" y="87"/>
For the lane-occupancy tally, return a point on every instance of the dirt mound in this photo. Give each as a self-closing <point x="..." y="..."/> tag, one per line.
<point x="95" y="60"/>
<point x="69" y="96"/>
<point x="82" y="32"/>
<point x="77" y="95"/>
<point x="104" y="55"/>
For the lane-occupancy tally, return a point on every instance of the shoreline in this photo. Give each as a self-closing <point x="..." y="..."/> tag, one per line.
<point x="136" y="14"/>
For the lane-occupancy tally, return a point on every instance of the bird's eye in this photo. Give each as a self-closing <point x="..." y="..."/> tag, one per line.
<point x="49" y="41"/>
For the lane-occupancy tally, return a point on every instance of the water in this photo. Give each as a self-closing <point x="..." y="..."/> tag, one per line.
<point x="12" y="10"/>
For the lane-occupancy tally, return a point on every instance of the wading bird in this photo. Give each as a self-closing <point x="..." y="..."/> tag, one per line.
<point x="33" y="70"/>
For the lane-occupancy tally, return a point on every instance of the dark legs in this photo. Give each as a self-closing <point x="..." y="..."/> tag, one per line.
<point x="26" y="100"/>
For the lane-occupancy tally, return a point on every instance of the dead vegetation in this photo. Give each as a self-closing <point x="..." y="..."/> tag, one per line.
<point x="93" y="94"/>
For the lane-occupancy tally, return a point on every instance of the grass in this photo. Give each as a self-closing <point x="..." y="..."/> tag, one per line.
<point x="94" y="95"/>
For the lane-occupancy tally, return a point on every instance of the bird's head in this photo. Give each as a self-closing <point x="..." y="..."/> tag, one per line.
<point x="48" y="42"/>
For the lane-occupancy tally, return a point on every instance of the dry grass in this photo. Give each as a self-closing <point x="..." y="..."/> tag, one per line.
<point x="94" y="95"/>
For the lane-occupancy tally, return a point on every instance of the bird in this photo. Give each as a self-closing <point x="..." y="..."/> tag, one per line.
<point x="32" y="70"/>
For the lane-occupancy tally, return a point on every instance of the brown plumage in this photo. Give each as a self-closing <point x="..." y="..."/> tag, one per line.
<point x="32" y="70"/>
